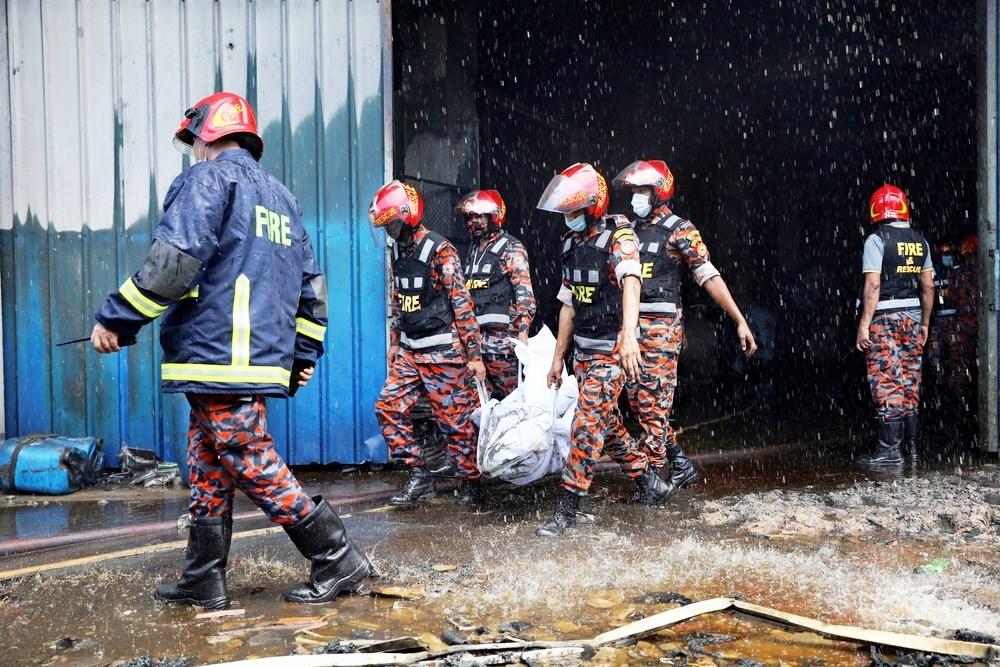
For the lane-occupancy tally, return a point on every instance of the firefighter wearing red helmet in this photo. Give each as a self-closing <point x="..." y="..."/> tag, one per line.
<point x="897" y="299"/>
<point x="601" y="280"/>
<point x="231" y="271"/>
<point x="667" y="244"/>
<point x="435" y="348"/>
<point x="962" y="347"/>
<point x="499" y="280"/>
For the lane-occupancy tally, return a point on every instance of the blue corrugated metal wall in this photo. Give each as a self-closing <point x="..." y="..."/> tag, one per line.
<point x="94" y="92"/>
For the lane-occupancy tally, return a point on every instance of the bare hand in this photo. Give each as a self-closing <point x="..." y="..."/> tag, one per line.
<point x="924" y="332"/>
<point x="747" y="342"/>
<point x="523" y="337"/>
<point x="629" y="355"/>
<point x="479" y="369"/>
<point x="554" y="378"/>
<point x="863" y="341"/>
<point x="305" y="375"/>
<point x="390" y="354"/>
<point x="104" y="340"/>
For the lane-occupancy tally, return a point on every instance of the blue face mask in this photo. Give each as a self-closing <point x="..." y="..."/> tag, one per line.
<point x="947" y="261"/>
<point x="577" y="224"/>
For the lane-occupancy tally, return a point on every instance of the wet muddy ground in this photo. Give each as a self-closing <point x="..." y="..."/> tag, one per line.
<point x="800" y="530"/>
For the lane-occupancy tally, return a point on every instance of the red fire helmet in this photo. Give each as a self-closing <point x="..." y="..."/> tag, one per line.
<point x="484" y="202"/>
<point x="578" y="186"/>
<point x="396" y="201"/>
<point x="647" y="173"/>
<point x="888" y="203"/>
<point x="970" y="245"/>
<point x="217" y="116"/>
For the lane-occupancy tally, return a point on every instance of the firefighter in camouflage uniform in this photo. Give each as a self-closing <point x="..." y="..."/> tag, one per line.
<point x="962" y="346"/>
<point x="499" y="281"/>
<point x="667" y="244"/>
<point x="897" y="299"/>
<point x="231" y="270"/>
<point x="599" y="316"/>
<point x="434" y="349"/>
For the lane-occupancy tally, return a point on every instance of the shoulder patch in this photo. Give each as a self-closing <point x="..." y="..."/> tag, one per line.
<point x="619" y="221"/>
<point x="628" y="246"/>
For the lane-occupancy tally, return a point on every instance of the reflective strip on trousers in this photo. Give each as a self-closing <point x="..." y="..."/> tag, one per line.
<point x="945" y="312"/>
<point x="890" y="304"/>
<point x="595" y="344"/>
<point x="661" y="307"/>
<point x="494" y="318"/>
<point x="426" y="341"/>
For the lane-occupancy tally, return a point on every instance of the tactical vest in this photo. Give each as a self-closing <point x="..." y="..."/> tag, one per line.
<point x="944" y="305"/>
<point x="661" y="273"/>
<point x="596" y="302"/>
<point x="491" y="290"/>
<point x="426" y="314"/>
<point x="903" y="257"/>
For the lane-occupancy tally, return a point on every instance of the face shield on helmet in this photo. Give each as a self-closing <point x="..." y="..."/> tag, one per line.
<point x="484" y="212"/>
<point x="395" y="209"/>
<point x="577" y="187"/>
<point x="652" y="174"/>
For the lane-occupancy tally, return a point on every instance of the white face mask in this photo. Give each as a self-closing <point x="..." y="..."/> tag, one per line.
<point x="640" y="204"/>
<point x="577" y="224"/>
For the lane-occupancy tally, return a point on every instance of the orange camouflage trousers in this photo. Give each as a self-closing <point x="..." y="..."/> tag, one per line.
<point x="597" y="423"/>
<point x="651" y="397"/>
<point x="451" y="391"/>
<point x="894" y="361"/>
<point x="229" y="448"/>
<point x="501" y="374"/>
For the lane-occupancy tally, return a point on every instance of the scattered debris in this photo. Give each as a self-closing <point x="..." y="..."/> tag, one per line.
<point x="936" y="566"/>
<point x="452" y="638"/>
<point x="146" y="661"/>
<point x="414" y="593"/>
<point x="444" y="567"/>
<point x="224" y="613"/>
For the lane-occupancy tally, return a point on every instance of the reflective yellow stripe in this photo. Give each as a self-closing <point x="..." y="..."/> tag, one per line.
<point x="310" y="329"/>
<point x="139" y="301"/>
<point x="241" y="322"/>
<point x="220" y="373"/>
<point x="191" y="293"/>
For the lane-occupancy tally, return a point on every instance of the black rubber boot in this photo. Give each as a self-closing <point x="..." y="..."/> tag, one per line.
<point x="203" y="582"/>
<point x="469" y="492"/>
<point x="682" y="471"/>
<point x="563" y="518"/>
<point x="419" y="485"/>
<point x="911" y="440"/>
<point x="435" y="455"/>
<point x="227" y="537"/>
<point x="651" y="489"/>
<point x="887" y="453"/>
<point x="337" y="567"/>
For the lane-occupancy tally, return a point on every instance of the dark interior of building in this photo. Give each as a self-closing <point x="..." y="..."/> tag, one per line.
<point x="777" y="120"/>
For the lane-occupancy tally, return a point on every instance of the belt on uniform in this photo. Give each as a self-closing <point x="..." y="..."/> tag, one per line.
<point x="426" y="341"/>
<point x="904" y="304"/>
<point x="660" y="307"/>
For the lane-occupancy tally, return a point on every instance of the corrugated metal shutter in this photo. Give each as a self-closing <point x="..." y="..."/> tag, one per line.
<point x="95" y="91"/>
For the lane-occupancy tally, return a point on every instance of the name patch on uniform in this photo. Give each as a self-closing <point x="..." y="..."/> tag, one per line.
<point x="273" y="226"/>
<point x="477" y="283"/>
<point x="409" y="303"/>
<point x="584" y="293"/>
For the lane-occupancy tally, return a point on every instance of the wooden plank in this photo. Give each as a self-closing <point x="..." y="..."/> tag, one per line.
<point x="879" y="637"/>
<point x="647" y="626"/>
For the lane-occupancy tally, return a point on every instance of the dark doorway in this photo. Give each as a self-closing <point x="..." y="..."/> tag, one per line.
<point x="777" y="119"/>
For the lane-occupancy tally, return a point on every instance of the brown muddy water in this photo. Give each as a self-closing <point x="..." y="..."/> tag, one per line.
<point x="482" y="573"/>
